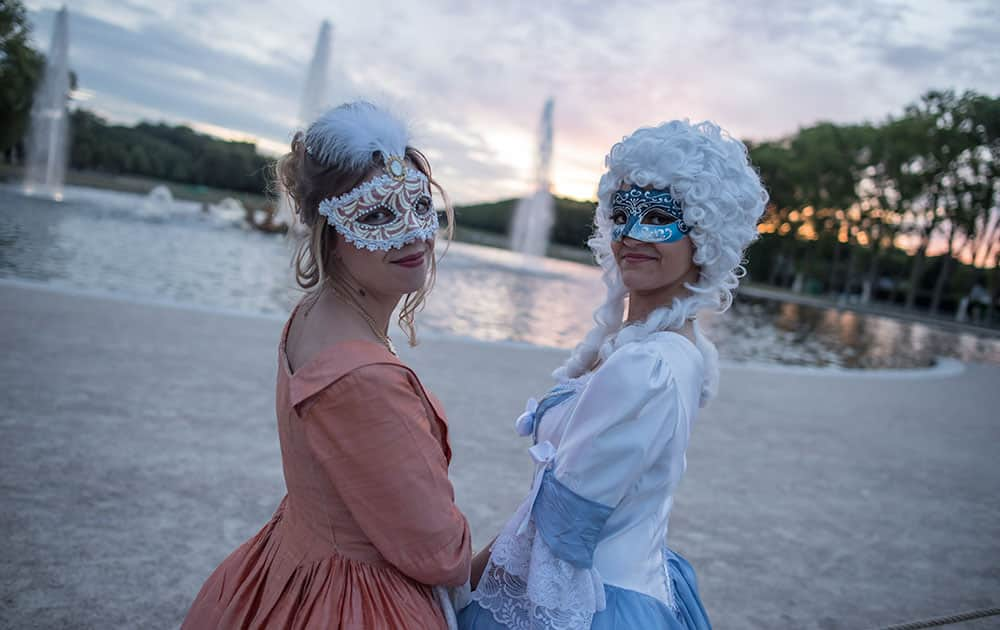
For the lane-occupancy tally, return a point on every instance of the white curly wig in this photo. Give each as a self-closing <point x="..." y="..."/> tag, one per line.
<point x="722" y="197"/>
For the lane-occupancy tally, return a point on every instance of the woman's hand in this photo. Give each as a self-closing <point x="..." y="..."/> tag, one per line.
<point x="479" y="562"/>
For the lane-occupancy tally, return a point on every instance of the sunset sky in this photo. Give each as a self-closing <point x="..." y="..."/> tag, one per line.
<point x="473" y="77"/>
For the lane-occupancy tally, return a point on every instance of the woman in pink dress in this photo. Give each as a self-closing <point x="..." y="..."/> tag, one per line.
<point x="369" y="526"/>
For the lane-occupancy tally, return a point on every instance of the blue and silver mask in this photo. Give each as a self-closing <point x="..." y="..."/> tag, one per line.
<point x="650" y="216"/>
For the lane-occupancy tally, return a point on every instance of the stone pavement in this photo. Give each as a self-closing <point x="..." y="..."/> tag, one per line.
<point x="138" y="448"/>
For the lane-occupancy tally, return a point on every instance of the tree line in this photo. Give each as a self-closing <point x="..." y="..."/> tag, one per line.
<point x="21" y="68"/>
<point x="170" y="153"/>
<point x="846" y="200"/>
<point x="902" y="211"/>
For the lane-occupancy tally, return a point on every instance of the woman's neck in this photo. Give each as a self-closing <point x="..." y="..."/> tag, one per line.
<point x="378" y="306"/>
<point x="642" y="303"/>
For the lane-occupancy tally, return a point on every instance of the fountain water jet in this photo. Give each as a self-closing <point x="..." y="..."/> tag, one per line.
<point x="534" y="214"/>
<point x="314" y="96"/>
<point x="158" y="204"/>
<point x="228" y="211"/>
<point x="48" y="137"/>
<point x="314" y="99"/>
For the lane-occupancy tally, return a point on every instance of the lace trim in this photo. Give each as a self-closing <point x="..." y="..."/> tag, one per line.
<point x="668" y="581"/>
<point x="398" y="242"/>
<point x="526" y="587"/>
<point x="370" y="185"/>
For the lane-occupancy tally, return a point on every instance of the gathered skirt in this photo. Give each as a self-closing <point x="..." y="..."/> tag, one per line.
<point x="627" y="609"/>
<point x="260" y="585"/>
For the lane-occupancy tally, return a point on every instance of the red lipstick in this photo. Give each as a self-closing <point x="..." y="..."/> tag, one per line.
<point x="414" y="260"/>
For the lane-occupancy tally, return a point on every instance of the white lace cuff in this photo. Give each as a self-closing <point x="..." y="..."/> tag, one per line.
<point x="526" y="587"/>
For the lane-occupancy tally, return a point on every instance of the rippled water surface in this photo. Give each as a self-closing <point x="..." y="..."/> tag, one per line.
<point x="126" y="244"/>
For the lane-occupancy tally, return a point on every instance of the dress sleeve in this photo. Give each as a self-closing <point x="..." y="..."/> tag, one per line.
<point x="624" y="418"/>
<point x="372" y="434"/>
<point x="541" y="572"/>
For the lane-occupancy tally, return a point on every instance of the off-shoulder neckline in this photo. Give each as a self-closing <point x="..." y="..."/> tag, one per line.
<point x="318" y="358"/>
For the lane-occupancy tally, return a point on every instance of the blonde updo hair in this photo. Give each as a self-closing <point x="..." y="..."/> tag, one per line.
<point x="308" y="180"/>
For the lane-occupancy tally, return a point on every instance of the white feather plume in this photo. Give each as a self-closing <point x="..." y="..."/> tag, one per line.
<point x="348" y="135"/>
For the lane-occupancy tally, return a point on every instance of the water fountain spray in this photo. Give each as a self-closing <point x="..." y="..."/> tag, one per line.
<point x="48" y="144"/>
<point x="314" y="101"/>
<point x="314" y="96"/>
<point x="534" y="214"/>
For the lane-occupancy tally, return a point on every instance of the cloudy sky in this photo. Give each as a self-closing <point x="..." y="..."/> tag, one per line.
<point x="473" y="76"/>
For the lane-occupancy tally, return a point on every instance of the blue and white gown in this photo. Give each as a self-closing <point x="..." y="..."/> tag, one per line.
<point x="588" y="547"/>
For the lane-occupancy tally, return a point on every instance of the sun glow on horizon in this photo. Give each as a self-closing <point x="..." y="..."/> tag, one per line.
<point x="265" y="145"/>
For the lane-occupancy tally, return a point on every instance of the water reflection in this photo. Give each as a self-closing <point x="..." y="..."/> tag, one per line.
<point x="799" y="334"/>
<point x="100" y="240"/>
<point x="495" y="295"/>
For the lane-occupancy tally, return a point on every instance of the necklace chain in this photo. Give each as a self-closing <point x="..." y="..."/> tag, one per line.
<point x="354" y="303"/>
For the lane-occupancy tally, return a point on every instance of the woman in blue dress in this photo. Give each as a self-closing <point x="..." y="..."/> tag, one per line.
<point x="587" y="548"/>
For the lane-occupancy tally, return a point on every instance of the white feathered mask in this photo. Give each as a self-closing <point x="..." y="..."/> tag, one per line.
<point x="389" y="210"/>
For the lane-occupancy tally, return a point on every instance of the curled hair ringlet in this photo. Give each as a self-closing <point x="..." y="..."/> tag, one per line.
<point x="722" y="198"/>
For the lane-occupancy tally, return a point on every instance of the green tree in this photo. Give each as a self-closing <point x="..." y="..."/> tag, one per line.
<point x="830" y="163"/>
<point x="21" y="68"/>
<point x="161" y="151"/>
<point x="980" y="223"/>
<point x="783" y="216"/>
<point x="140" y="160"/>
<point x="842" y="196"/>
<point x="890" y="189"/>
<point x="813" y="180"/>
<point x="954" y="171"/>
<point x="929" y="170"/>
